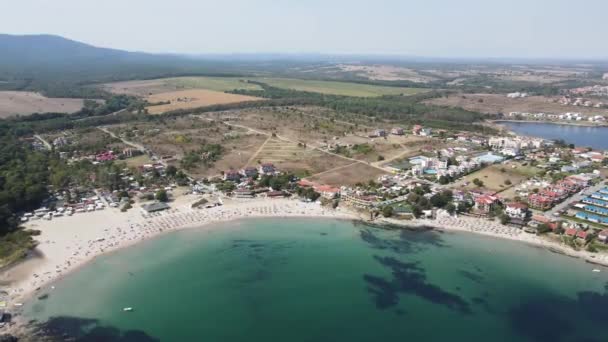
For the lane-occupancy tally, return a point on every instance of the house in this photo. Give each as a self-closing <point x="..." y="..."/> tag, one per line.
<point x="426" y="132"/>
<point x="540" y="202"/>
<point x="105" y="156"/>
<point x="243" y="193"/>
<point x="250" y="172"/>
<point x="275" y="194"/>
<point x="397" y="131"/>
<point x="366" y="202"/>
<point x="267" y="169"/>
<point x="516" y="210"/>
<point x="581" y="234"/>
<point x="485" y="203"/>
<point x="232" y="175"/>
<point x="154" y="207"/>
<point x="571" y="232"/>
<point x="603" y="236"/>
<point x="327" y="192"/>
<point x="416" y="129"/>
<point x="380" y="133"/>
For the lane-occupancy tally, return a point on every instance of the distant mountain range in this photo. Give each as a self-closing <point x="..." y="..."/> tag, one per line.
<point x="47" y="58"/>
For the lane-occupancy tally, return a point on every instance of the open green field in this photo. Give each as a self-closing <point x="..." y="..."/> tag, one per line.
<point x="222" y="84"/>
<point x="212" y="83"/>
<point x="338" y="88"/>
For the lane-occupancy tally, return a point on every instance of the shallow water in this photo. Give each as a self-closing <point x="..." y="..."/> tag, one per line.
<point x="320" y="280"/>
<point x="595" y="137"/>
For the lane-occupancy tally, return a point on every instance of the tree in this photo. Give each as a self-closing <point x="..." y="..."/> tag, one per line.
<point x="505" y="219"/>
<point x="478" y="182"/>
<point x="543" y="228"/>
<point x="162" y="196"/>
<point x="450" y="208"/>
<point x="387" y="211"/>
<point x="171" y="170"/>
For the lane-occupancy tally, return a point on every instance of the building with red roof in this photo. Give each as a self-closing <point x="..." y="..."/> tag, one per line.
<point x="485" y="203"/>
<point x="540" y="202"/>
<point x="581" y="234"/>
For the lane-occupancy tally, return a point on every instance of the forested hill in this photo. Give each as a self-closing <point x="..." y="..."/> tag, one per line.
<point x="49" y="63"/>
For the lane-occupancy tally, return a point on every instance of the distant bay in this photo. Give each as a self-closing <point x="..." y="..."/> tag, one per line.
<point x="583" y="136"/>
<point x="326" y="280"/>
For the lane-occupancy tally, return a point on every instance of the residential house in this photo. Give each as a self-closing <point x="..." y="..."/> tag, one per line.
<point x="232" y="175"/>
<point x="485" y="203"/>
<point x="267" y="169"/>
<point x="517" y="211"/>
<point x="397" y="131"/>
<point x="540" y="201"/>
<point x="250" y="172"/>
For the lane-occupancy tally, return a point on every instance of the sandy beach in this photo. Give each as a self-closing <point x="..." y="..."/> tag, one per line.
<point x="497" y="230"/>
<point x="67" y="243"/>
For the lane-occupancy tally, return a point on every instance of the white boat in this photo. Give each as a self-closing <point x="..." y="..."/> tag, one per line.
<point x="128" y="309"/>
<point x="596" y="270"/>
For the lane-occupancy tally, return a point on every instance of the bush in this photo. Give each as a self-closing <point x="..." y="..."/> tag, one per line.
<point x="387" y="211"/>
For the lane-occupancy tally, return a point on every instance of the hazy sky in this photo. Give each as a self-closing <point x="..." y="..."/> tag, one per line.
<point x="437" y="28"/>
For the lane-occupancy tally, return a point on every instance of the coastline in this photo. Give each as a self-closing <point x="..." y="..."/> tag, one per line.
<point x="494" y="229"/>
<point x="65" y="250"/>
<point x="563" y="123"/>
<point x="63" y="253"/>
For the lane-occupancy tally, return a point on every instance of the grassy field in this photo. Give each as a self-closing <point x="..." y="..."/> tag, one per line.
<point x="164" y="85"/>
<point x="299" y="160"/>
<point x="23" y="103"/>
<point x="138" y="161"/>
<point x="194" y="98"/>
<point x="349" y="175"/>
<point x="212" y="83"/>
<point x="495" y="177"/>
<point x="338" y="88"/>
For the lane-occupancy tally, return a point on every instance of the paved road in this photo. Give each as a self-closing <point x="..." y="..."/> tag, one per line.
<point x="576" y="198"/>
<point x="130" y="143"/>
<point x="46" y="143"/>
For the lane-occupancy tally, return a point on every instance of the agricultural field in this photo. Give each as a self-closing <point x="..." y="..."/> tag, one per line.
<point x="302" y="161"/>
<point x="349" y="175"/>
<point x="194" y="98"/>
<point x="496" y="177"/>
<point x="338" y="88"/>
<point x="25" y="103"/>
<point x="497" y="103"/>
<point x="164" y="85"/>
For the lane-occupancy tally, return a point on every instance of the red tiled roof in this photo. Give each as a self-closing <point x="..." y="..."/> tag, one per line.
<point x="581" y="234"/>
<point x="517" y="205"/>
<point x="541" y="219"/>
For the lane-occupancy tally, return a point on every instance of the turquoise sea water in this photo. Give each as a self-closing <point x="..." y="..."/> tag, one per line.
<point x="325" y="280"/>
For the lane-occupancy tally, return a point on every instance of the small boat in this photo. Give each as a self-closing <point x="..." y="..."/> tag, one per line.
<point x="596" y="270"/>
<point x="128" y="309"/>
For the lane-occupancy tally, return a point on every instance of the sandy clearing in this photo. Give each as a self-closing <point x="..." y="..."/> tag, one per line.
<point x="194" y="98"/>
<point x="25" y="103"/>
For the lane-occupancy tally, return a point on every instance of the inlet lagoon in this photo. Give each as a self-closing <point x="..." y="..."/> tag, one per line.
<point x="325" y="280"/>
<point x="583" y="136"/>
